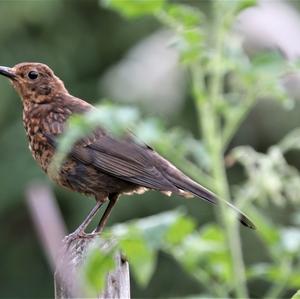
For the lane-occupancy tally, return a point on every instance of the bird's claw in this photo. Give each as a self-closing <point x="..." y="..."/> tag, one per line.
<point x="78" y="235"/>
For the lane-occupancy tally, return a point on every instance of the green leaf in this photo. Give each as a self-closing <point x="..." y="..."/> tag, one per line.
<point x="232" y="7"/>
<point x="244" y="4"/>
<point x="134" y="8"/>
<point x="204" y="253"/>
<point x="276" y="273"/>
<point x="297" y="295"/>
<point x="152" y="228"/>
<point x="184" y="15"/>
<point x="190" y="45"/>
<point x="97" y="265"/>
<point x="140" y="239"/>
<point x="142" y="259"/>
<point x="294" y="280"/>
<point x="180" y="229"/>
<point x="269" y="62"/>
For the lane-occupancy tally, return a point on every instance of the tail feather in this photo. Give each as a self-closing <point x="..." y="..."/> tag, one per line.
<point x="184" y="183"/>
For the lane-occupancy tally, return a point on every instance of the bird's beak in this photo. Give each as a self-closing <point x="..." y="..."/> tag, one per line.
<point x="7" y="72"/>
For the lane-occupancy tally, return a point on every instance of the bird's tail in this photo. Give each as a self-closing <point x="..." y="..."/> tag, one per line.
<point x="187" y="185"/>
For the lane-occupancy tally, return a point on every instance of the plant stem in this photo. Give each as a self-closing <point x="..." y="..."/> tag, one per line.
<point x="212" y="136"/>
<point x="234" y="123"/>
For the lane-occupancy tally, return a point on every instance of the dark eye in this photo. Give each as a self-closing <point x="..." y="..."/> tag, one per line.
<point x="33" y="75"/>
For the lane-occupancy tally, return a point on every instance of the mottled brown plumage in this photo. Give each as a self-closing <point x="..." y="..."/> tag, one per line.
<point x="99" y="165"/>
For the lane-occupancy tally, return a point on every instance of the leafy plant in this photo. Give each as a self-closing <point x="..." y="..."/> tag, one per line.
<point x="225" y="85"/>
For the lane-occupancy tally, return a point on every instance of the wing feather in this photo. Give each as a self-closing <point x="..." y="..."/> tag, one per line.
<point x="135" y="163"/>
<point x="125" y="160"/>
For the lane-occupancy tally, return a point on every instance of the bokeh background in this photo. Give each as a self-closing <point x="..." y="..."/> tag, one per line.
<point x="100" y="55"/>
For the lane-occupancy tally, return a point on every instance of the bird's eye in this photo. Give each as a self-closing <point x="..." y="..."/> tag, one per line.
<point x="33" y="75"/>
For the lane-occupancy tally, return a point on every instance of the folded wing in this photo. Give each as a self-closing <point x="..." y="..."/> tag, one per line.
<point x="139" y="164"/>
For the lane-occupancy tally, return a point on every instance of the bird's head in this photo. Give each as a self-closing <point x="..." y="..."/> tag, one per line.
<point x="35" y="82"/>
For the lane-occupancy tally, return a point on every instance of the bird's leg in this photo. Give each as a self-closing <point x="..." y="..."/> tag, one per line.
<point x="112" y="201"/>
<point x="80" y="231"/>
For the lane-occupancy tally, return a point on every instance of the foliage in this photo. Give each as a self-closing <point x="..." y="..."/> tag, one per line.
<point x="135" y="8"/>
<point x="96" y="267"/>
<point x="225" y="86"/>
<point x="297" y="295"/>
<point x="212" y="255"/>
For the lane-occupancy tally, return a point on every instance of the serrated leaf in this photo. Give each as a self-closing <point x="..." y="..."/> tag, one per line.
<point x="142" y="259"/>
<point x="184" y="15"/>
<point x="179" y="230"/>
<point x="268" y="61"/>
<point x="97" y="265"/>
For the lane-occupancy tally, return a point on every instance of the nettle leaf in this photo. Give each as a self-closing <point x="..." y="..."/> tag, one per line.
<point x="115" y="119"/>
<point x="141" y="239"/>
<point x="97" y="265"/>
<point x="141" y="257"/>
<point x="134" y="8"/>
<point x="269" y="62"/>
<point x="265" y="70"/>
<point x="193" y="37"/>
<point x="184" y="15"/>
<point x="180" y="230"/>
<point x="270" y="177"/>
<point x="187" y="22"/>
<point x="190" y="44"/>
<point x="204" y="253"/>
<point x="154" y="228"/>
<point x="150" y="131"/>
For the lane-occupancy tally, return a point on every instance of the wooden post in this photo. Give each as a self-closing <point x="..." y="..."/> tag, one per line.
<point x="67" y="260"/>
<point x="69" y="284"/>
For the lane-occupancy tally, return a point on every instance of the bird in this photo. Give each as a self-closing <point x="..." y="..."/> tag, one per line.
<point x="100" y="164"/>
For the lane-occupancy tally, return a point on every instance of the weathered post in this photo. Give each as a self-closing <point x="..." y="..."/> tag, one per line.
<point x="67" y="279"/>
<point x="67" y="261"/>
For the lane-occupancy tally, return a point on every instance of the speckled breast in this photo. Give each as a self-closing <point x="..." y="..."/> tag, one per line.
<point x="41" y="151"/>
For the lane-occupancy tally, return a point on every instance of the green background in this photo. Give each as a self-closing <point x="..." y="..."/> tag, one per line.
<point x="80" y="40"/>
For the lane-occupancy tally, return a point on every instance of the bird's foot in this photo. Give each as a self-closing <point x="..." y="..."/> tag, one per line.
<point x="77" y="236"/>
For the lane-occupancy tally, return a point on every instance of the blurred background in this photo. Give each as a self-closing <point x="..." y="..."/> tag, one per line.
<point x="100" y="55"/>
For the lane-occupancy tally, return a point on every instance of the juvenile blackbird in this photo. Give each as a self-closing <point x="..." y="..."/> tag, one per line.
<point x="100" y="164"/>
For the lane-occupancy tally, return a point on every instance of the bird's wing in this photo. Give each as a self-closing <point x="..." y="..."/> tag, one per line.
<point x="124" y="159"/>
<point x="138" y="164"/>
<point x="121" y="158"/>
